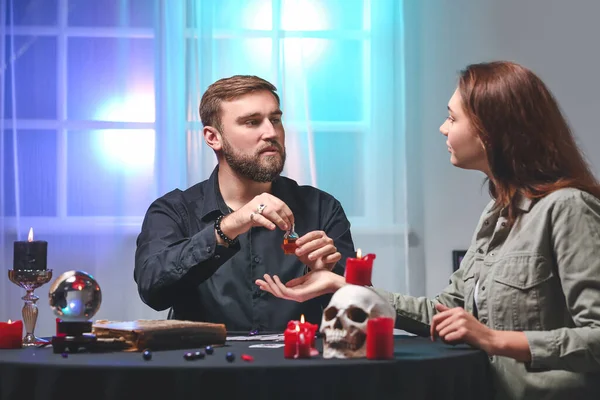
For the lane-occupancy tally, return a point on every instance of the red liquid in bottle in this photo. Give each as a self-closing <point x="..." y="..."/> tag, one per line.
<point x="289" y="246"/>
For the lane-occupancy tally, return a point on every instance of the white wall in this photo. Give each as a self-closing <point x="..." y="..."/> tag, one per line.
<point x="555" y="38"/>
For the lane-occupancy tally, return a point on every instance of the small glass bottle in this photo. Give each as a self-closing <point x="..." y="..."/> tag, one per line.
<point x="289" y="245"/>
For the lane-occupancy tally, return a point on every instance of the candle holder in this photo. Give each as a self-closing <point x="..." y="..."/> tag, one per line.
<point x="30" y="280"/>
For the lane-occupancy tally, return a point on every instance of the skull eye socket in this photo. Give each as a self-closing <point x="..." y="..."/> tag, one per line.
<point x="330" y="313"/>
<point x="356" y="314"/>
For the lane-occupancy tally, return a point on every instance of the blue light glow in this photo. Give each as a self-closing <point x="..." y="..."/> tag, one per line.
<point x="129" y="149"/>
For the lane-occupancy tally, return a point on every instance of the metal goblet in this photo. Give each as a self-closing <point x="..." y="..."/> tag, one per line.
<point x="30" y="280"/>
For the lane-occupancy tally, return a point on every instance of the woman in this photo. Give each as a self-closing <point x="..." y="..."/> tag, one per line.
<point x="528" y="289"/>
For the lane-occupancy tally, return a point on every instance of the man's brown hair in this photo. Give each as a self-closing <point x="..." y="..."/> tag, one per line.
<point x="228" y="89"/>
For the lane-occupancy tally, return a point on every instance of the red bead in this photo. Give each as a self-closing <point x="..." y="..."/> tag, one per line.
<point x="247" y="357"/>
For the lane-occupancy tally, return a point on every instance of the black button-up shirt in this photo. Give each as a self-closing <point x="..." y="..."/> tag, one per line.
<point x="178" y="263"/>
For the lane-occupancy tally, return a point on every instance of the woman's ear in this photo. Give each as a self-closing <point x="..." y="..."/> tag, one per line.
<point x="212" y="137"/>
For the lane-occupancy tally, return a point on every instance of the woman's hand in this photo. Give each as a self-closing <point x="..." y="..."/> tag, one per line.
<point x="454" y="325"/>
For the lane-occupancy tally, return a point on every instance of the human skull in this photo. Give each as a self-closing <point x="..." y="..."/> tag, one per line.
<point x="344" y="322"/>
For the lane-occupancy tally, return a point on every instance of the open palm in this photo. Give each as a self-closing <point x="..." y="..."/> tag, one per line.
<point x="314" y="284"/>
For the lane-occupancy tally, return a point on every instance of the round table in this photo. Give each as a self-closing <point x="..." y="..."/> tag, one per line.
<point x="421" y="369"/>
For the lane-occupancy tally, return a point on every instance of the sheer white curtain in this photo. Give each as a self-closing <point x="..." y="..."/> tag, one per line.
<point x="103" y="119"/>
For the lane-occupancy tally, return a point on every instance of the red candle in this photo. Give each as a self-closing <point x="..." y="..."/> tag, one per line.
<point x="380" y="338"/>
<point x="312" y="331"/>
<point x="292" y="346"/>
<point x="290" y="340"/>
<point x="309" y="330"/>
<point x="11" y="335"/>
<point x="304" y="348"/>
<point x="359" y="269"/>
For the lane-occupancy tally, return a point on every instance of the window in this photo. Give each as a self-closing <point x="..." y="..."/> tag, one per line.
<point x="79" y="111"/>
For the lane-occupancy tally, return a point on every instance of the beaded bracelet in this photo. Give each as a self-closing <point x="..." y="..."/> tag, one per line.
<point x="230" y="242"/>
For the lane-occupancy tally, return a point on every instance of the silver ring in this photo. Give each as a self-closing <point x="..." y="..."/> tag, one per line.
<point x="261" y="208"/>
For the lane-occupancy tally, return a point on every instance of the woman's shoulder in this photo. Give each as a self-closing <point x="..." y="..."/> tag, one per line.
<point x="569" y="200"/>
<point x="572" y="196"/>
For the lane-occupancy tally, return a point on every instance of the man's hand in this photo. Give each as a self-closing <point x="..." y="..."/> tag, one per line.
<point x="264" y="210"/>
<point x="317" y="251"/>
<point x="306" y="287"/>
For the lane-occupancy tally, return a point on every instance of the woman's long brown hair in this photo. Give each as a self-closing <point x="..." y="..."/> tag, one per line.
<point x="530" y="148"/>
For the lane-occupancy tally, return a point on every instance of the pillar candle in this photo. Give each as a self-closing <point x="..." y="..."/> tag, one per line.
<point x="30" y="254"/>
<point x="290" y="340"/>
<point x="304" y="349"/>
<point x="11" y="335"/>
<point x="309" y="329"/>
<point x="312" y="329"/>
<point x="359" y="269"/>
<point x="380" y="338"/>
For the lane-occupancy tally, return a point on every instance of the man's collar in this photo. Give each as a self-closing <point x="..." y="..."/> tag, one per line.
<point x="213" y="202"/>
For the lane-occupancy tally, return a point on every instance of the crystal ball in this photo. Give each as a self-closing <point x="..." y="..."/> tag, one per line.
<point x="75" y="296"/>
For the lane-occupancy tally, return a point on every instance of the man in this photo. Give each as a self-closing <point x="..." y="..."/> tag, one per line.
<point x="201" y="250"/>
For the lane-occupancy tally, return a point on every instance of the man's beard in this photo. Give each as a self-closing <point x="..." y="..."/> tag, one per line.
<point x="255" y="167"/>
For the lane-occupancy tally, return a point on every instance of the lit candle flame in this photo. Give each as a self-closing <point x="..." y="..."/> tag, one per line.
<point x="297" y="328"/>
<point x="9" y="321"/>
<point x="358" y="253"/>
<point x="302" y="319"/>
<point x="30" y="236"/>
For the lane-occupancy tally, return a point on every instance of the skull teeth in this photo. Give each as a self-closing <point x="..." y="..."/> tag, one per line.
<point x="335" y="335"/>
<point x="339" y="338"/>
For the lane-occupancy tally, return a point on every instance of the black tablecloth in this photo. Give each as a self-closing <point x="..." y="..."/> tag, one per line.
<point x="421" y="370"/>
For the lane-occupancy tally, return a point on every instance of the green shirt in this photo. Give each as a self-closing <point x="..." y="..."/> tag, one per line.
<point x="542" y="277"/>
